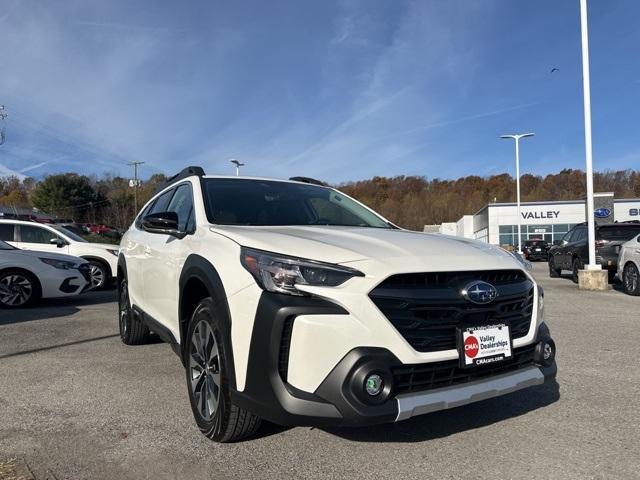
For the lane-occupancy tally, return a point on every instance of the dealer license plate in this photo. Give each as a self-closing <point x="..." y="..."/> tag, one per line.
<point x="484" y="345"/>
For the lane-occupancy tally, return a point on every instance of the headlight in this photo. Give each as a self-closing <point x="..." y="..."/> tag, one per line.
<point x="113" y="252"/>
<point x="61" y="264"/>
<point x="281" y="274"/>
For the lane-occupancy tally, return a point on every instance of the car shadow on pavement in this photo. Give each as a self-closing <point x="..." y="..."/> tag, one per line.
<point x="55" y="307"/>
<point x="460" y="419"/>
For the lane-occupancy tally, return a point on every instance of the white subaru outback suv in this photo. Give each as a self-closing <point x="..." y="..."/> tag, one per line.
<point x="290" y="301"/>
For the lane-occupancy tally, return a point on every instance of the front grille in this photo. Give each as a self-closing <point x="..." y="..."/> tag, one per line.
<point x="427" y="376"/>
<point x="285" y="345"/>
<point x="427" y="308"/>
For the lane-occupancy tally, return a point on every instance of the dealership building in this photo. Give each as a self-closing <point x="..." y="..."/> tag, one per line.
<point x="497" y="223"/>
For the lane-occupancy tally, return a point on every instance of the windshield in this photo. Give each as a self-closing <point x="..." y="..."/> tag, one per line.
<point x="68" y="233"/>
<point x="619" y="232"/>
<point x="271" y="203"/>
<point x="6" y="246"/>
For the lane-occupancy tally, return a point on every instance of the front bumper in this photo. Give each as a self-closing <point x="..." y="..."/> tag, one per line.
<point x="340" y="399"/>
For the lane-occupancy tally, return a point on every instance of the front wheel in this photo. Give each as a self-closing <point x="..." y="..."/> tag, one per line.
<point x="631" y="279"/>
<point x="132" y="330"/>
<point x="18" y="288"/>
<point x="207" y="379"/>
<point x="554" y="272"/>
<point x="97" y="275"/>
<point x="577" y="266"/>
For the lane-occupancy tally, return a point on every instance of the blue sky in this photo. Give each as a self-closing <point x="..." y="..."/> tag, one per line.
<point x="340" y="90"/>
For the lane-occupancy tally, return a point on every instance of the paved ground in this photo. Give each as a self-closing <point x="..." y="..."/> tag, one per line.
<point x="75" y="403"/>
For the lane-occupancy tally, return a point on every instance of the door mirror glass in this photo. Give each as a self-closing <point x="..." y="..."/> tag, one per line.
<point x="165" y="223"/>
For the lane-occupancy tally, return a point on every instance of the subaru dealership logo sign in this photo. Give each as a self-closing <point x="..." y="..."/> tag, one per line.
<point x="602" y="213"/>
<point x="479" y="292"/>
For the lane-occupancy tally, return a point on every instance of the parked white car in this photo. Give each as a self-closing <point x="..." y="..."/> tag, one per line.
<point x="25" y="276"/>
<point x="629" y="266"/>
<point x="102" y="257"/>
<point x="290" y="301"/>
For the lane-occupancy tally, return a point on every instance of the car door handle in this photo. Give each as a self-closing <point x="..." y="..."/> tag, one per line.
<point x="147" y="250"/>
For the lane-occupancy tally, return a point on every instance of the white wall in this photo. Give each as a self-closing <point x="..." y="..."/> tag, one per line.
<point x="540" y="214"/>
<point x="464" y="227"/>
<point x="448" y="228"/>
<point x="625" y="210"/>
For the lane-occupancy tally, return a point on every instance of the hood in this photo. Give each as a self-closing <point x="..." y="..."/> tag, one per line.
<point x="353" y="244"/>
<point x="55" y="256"/>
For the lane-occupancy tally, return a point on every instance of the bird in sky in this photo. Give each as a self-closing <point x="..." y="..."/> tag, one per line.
<point x="554" y="69"/>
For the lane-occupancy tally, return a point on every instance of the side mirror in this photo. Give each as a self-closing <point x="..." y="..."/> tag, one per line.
<point x="57" y="241"/>
<point x="165" y="223"/>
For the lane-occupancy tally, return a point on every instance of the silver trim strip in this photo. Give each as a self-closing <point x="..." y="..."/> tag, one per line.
<point x="412" y="404"/>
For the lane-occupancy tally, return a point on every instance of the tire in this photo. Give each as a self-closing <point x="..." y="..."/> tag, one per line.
<point x="553" y="271"/>
<point x="98" y="273"/>
<point x="217" y="417"/>
<point x="576" y="266"/>
<point x="631" y="279"/>
<point x="18" y="288"/>
<point x="132" y="330"/>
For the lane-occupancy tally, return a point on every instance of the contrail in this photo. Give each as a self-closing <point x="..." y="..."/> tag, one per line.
<point x="462" y="119"/>
<point x="33" y="167"/>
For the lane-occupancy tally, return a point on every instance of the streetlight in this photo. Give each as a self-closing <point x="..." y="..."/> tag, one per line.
<point x="587" y="136"/>
<point x="517" y="138"/>
<point x="238" y="164"/>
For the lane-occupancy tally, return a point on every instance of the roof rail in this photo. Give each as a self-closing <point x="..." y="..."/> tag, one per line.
<point x="184" y="173"/>
<point x="312" y="181"/>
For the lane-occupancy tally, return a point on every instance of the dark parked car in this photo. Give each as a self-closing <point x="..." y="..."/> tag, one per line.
<point x="535" y="250"/>
<point x="572" y="252"/>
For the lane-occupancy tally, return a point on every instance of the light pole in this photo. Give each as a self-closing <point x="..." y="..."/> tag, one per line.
<point x="517" y="138"/>
<point x="238" y="164"/>
<point x="587" y="136"/>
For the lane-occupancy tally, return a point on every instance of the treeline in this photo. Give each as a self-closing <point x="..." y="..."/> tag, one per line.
<point x="413" y="202"/>
<point x="109" y="200"/>
<point x="409" y="201"/>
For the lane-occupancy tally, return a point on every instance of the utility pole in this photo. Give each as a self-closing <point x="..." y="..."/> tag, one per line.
<point x="3" y="116"/>
<point x="135" y="183"/>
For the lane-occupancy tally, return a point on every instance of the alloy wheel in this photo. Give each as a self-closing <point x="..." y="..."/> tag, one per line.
<point x="204" y="368"/>
<point x="15" y="290"/>
<point x="631" y="278"/>
<point x="96" y="276"/>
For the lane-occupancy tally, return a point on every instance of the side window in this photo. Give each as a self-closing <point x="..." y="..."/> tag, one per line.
<point x="6" y="232"/>
<point x="162" y="202"/>
<point x="142" y="215"/>
<point x="567" y="236"/>
<point x="33" y="234"/>
<point x="182" y="204"/>
<point x="578" y="234"/>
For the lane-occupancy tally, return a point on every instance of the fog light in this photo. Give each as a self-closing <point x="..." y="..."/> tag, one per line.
<point x="374" y="384"/>
<point x="545" y="352"/>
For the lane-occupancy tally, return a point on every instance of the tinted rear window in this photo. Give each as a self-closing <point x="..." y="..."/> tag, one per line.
<point x="6" y="232"/>
<point x="619" y="232"/>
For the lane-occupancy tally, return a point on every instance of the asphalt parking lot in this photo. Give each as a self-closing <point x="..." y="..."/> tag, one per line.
<point x="76" y="403"/>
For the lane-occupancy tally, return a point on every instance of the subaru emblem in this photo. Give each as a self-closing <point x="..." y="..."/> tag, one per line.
<point x="479" y="292"/>
<point x="602" y="213"/>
